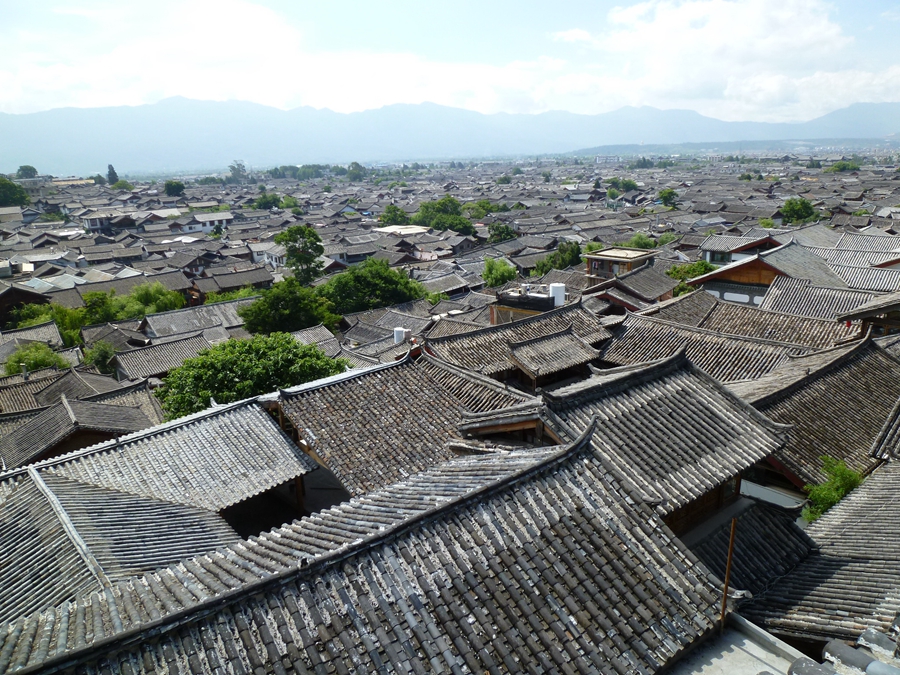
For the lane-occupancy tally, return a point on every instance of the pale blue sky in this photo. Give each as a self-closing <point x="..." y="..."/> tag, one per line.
<point x="769" y="60"/>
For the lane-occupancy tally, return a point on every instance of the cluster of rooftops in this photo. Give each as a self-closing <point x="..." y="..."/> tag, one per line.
<point x="519" y="479"/>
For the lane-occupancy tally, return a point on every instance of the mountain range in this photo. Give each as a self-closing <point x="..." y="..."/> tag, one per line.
<point x="179" y="134"/>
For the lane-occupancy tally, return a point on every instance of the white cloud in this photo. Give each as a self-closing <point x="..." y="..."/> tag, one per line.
<point x="574" y="35"/>
<point x="733" y="59"/>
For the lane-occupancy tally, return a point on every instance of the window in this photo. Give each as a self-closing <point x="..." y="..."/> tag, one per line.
<point x="719" y="257"/>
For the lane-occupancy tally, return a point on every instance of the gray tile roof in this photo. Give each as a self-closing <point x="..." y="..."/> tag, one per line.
<point x="369" y="428"/>
<point x="157" y="360"/>
<point x="485" y="350"/>
<point x="548" y="354"/>
<point x="667" y="427"/>
<point x="725" y="357"/>
<point x="803" y="298"/>
<point x="75" y="384"/>
<point x="853" y="582"/>
<point x="43" y="332"/>
<point x="193" y="319"/>
<point x="854" y="389"/>
<point x="487" y="563"/>
<point x="192" y="460"/>
<point x="57" y="423"/>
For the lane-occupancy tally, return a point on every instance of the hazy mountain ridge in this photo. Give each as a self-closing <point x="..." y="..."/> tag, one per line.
<point x="183" y="134"/>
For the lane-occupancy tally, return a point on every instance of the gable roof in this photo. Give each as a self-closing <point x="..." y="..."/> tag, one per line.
<point x="668" y="428"/>
<point x="374" y="426"/>
<point x="838" y="401"/>
<point x="155" y="360"/>
<point x="503" y="574"/>
<point x="725" y="357"/>
<point x="485" y="349"/>
<point x="803" y="298"/>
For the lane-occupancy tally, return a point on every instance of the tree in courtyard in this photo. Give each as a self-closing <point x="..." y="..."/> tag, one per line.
<point x="567" y="255"/>
<point x="12" y="194"/>
<point x="394" y="215"/>
<point x="668" y="197"/>
<point x="688" y="271"/>
<point x="239" y="369"/>
<point x="498" y="232"/>
<point x="174" y="188"/>
<point x="26" y="171"/>
<point x="370" y="285"/>
<point x="841" y="480"/>
<point x="100" y="355"/>
<point x="497" y="272"/>
<point x="303" y="250"/>
<point x="111" y="176"/>
<point x="286" y="307"/>
<point x="797" y="210"/>
<point x="34" y="356"/>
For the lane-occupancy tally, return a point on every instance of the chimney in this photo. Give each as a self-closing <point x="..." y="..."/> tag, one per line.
<point x="24" y="371"/>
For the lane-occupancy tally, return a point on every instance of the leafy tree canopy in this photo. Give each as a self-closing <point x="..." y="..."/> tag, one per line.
<point x="286" y="307"/>
<point x="111" y="176"/>
<point x="224" y="296"/>
<point x="498" y="232"/>
<point x="303" y="248"/>
<point x="35" y="355"/>
<point x="483" y="207"/>
<point x="839" y="167"/>
<point x="666" y="238"/>
<point x="174" y="188"/>
<point x="122" y="185"/>
<point x="668" y="197"/>
<point x="12" y="194"/>
<point x="443" y="214"/>
<point x="689" y="271"/>
<point x="642" y="163"/>
<point x="497" y="272"/>
<point x="26" y="171"/>
<point x="767" y="223"/>
<point x="369" y="285"/>
<point x="267" y="200"/>
<point x="797" y="210"/>
<point x="238" y="172"/>
<point x="394" y="215"/>
<point x="356" y="172"/>
<point x="239" y="369"/>
<point x="568" y="254"/>
<point x="504" y="180"/>
<point x="99" y="308"/>
<point x="99" y="180"/>
<point x="100" y="355"/>
<point x="841" y="480"/>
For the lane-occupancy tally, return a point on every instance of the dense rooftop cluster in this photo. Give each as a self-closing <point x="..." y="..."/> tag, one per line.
<point x="535" y="476"/>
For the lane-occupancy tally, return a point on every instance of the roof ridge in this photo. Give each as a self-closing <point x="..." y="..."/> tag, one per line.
<point x="65" y="404"/>
<point x="71" y="531"/>
<point x="531" y="319"/>
<point x="706" y="331"/>
<point x="305" y="566"/>
<point x="523" y="343"/>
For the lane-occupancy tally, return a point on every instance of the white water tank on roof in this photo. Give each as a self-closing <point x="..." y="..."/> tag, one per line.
<point x="400" y="335"/>
<point x="558" y="293"/>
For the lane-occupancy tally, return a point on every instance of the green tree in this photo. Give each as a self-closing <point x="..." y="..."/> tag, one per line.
<point x="286" y="307"/>
<point x="239" y="369"/>
<point x="797" y="210"/>
<point x="628" y="185"/>
<point x="12" y="194"/>
<point x="745" y="176"/>
<point x="443" y="214"/>
<point x="122" y="184"/>
<point x="639" y="240"/>
<point x="369" y="285"/>
<point x="814" y="164"/>
<point x="567" y="255"/>
<point x="666" y="238"/>
<point x="26" y="171"/>
<point x="288" y="202"/>
<point x="516" y="171"/>
<point x="100" y="355"/>
<point x="668" y="197"/>
<point x="841" y="480"/>
<point x="497" y="272"/>
<point x="546" y="176"/>
<point x="238" y="172"/>
<point x="767" y="223"/>
<point x="504" y="180"/>
<point x="111" y="176"/>
<point x="498" y="232"/>
<point x="224" y="296"/>
<point x="356" y="172"/>
<point x="174" y="188"/>
<point x="99" y="180"/>
<point x="688" y="271"/>
<point x="35" y="355"/>
<point x="394" y="215"/>
<point x="303" y="250"/>
<point x="840" y="167"/>
<point x="267" y="201"/>
<point x="613" y="193"/>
